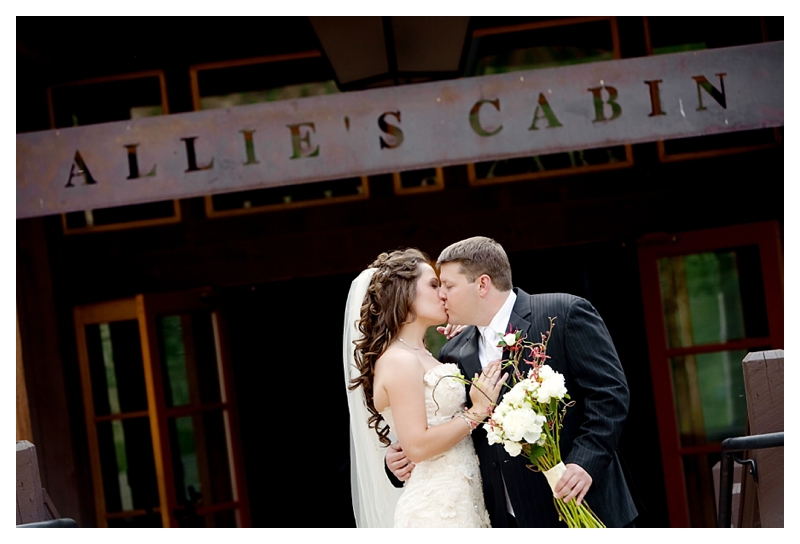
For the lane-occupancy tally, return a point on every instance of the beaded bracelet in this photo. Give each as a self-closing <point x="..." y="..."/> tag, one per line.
<point x="472" y="423"/>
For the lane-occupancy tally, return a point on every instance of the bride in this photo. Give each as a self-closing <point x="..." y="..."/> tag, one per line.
<point x="395" y="386"/>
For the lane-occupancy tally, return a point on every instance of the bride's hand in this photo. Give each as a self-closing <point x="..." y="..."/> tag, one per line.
<point x="451" y="331"/>
<point x="486" y="388"/>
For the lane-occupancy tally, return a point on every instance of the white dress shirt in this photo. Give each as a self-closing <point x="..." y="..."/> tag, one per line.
<point x="488" y="350"/>
<point x="497" y="328"/>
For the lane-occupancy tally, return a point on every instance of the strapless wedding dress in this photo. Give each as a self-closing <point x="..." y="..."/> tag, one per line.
<point x="445" y="490"/>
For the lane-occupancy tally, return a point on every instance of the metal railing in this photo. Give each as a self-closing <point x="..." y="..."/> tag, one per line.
<point x="49" y="524"/>
<point x="731" y="446"/>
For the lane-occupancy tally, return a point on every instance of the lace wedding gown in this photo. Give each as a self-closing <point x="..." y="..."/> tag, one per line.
<point x="445" y="490"/>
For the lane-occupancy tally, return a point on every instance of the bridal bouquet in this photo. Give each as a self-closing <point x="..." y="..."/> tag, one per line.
<point x="530" y="417"/>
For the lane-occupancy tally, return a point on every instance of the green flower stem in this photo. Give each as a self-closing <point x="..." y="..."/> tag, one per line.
<point x="577" y="516"/>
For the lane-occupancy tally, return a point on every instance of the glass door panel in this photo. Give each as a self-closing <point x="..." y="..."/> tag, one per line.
<point x="198" y="440"/>
<point x="129" y="475"/>
<point x="118" y="425"/>
<point x="202" y="470"/>
<point x="115" y="363"/>
<point x="709" y="396"/>
<point x="704" y="297"/>
<point x="190" y="361"/>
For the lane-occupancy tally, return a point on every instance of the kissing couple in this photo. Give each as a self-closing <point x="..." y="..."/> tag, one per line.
<point x="419" y="454"/>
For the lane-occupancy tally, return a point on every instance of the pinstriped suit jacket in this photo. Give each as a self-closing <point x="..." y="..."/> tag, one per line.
<point x="581" y="349"/>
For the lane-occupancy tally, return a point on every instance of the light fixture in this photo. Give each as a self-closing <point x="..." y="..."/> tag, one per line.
<point x="367" y="52"/>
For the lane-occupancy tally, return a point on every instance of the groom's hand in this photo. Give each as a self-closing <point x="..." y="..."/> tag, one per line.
<point x="398" y="463"/>
<point x="574" y="483"/>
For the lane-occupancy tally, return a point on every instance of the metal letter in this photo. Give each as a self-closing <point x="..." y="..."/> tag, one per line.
<point x="703" y="83"/>
<point x="82" y="171"/>
<point x="191" y="158"/>
<point x="391" y="130"/>
<point x="133" y="163"/>
<point x="547" y="113"/>
<point x="616" y="109"/>
<point x="655" y="98"/>
<point x="248" y="147"/>
<point x="298" y="150"/>
<point x="475" y="122"/>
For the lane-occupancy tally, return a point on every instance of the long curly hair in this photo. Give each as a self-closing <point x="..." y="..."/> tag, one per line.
<point x="387" y="306"/>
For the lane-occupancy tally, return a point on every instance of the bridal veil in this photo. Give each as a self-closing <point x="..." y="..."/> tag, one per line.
<point x="374" y="497"/>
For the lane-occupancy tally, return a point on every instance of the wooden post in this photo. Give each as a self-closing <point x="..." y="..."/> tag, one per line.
<point x="24" y="431"/>
<point x="763" y="383"/>
<point x="30" y="499"/>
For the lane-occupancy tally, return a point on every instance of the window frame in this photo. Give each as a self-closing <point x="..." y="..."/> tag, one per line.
<point x="665" y="157"/>
<point x="400" y="190"/>
<point x="176" y="215"/>
<point x="472" y="176"/>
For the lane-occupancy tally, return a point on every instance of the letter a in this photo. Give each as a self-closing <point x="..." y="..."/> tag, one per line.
<point x="82" y="171"/>
<point x="546" y="113"/>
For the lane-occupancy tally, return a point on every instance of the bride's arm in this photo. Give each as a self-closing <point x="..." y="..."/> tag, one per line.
<point x="403" y="382"/>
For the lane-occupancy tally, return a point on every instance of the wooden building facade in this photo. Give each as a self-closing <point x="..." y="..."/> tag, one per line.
<point x="176" y="359"/>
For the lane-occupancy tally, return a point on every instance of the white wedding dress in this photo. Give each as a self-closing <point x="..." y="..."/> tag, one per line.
<point x="445" y="490"/>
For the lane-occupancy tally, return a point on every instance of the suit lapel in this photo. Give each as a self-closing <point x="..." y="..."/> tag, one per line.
<point x="468" y="354"/>
<point x="519" y="321"/>
<point x="521" y="312"/>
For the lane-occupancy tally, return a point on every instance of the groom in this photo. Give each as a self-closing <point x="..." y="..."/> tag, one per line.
<point x="476" y="288"/>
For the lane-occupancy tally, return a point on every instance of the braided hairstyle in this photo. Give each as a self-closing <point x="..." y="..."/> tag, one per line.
<point x="387" y="306"/>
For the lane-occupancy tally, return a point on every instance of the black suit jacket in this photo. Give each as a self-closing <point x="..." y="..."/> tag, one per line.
<point x="581" y="349"/>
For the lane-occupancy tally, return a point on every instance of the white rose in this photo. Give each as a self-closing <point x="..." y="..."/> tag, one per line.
<point x="512" y="448"/>
<point x="534" y="435"/>
<point x="492" y="436"/>
<point x="551" y="386"/>
<point x="510" y="339"/>
<point x="516" y="396"/>
<point x="523" y="424"/>
<point x="500" y="411"/>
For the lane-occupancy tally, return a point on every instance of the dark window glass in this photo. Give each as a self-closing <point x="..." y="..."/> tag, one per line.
<point x="306" y="192"/>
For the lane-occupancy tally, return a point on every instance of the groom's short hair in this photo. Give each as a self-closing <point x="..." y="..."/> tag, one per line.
<point x="479" y="255"/>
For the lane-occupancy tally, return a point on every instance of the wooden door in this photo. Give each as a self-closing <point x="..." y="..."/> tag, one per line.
<point x="160" y="414"/>
<point x="710" y="297"/>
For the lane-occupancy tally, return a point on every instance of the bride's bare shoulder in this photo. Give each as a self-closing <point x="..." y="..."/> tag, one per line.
<point x="398" y="361"/>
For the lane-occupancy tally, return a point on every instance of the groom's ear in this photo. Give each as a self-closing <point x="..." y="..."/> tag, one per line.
<point x="484" y="284"/>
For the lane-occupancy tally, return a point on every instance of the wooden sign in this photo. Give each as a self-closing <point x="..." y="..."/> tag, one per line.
<point x="400" y="128"/>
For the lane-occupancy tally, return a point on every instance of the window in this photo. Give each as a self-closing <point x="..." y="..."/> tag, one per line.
<point x="540" y="44"/>
<point x="666" y="35"/>
<point x="287" y="196"/>
<point x="418" y="181"/>
<point x="267" y="79"/>
<point x="104" y="100"/>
